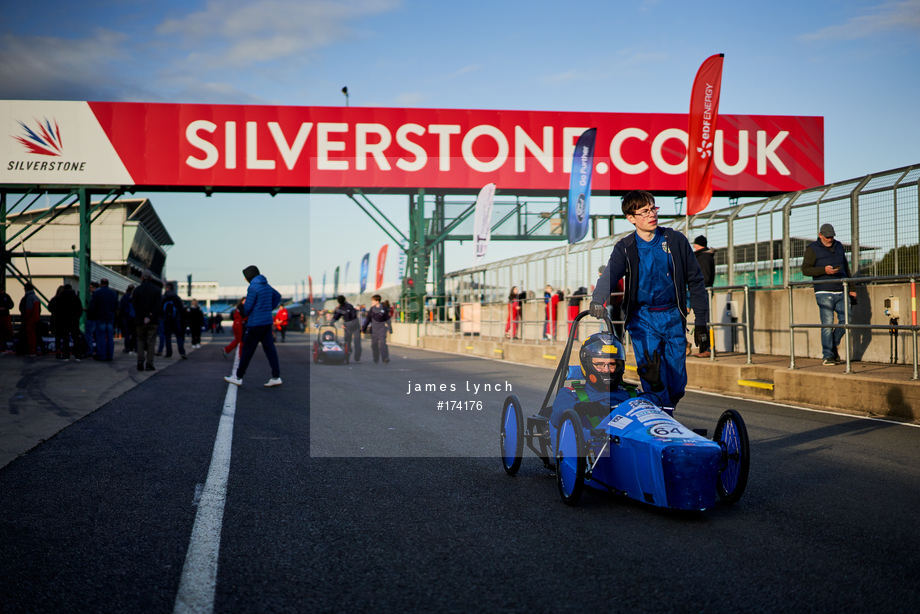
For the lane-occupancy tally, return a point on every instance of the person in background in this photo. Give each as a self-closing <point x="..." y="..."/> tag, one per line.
<point x="574" y="306"/>
<point x="239" y="323"/>
<point x="195" y="322"/>
<point x="92" y="319"/>
<point x="146" y="298"/>
<point x="6" y="321"/>
<point x="30" y="311"/>
<point x="281" y="321"/>
<point x="65" y="311"/>
<point x="378" y="320"/>
<point x="261" y="300"/>
<point x="128" y="320"/>
<point x="104" y="304"/>
<point x="825" y="259"/>
<point x="705" y="257"/>
<point x="352" y="326"/>
<point x="514" y="313"/>
<point x="173" y="313"/>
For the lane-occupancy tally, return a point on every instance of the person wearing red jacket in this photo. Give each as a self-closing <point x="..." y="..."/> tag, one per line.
<point x="514" y="313"/>
<point x="30" y="309"/>
<point x="238" y="323"/>
<point x="281" y="321"/>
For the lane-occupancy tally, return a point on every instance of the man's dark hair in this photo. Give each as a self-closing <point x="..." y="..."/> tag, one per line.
<point x="635" y="200"/>
<point x="250" y="272"/>
<point x="104" y="281"/>
<point x="341" y="299"/>
<point x="376" y="297"/>
<point x="28" y="287"/>
<point x="169" y="285"/>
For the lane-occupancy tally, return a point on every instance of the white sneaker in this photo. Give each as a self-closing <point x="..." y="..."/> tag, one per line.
<point x="232" y="379"/>
<point x="275" y="381"/>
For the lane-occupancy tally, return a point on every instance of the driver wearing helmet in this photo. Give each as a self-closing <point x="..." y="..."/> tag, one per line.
<point x="603" y="361"/>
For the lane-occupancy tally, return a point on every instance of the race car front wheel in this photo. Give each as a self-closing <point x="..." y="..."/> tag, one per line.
<point x="731" y="434"/>
<point x="570" y="458"/>
<point x="512" y="434"/>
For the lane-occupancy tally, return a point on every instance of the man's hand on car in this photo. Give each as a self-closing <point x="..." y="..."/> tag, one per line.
<point x="597" y="310"/>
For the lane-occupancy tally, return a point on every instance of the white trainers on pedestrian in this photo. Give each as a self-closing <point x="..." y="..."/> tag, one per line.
<point x="232" y="379"/>
<point x="275" y="381"/>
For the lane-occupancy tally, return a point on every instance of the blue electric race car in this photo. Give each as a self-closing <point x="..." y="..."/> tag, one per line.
<point x="634" y="448"/>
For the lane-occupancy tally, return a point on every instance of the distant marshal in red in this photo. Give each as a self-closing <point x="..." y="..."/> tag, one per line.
<point x="332" y="148"/>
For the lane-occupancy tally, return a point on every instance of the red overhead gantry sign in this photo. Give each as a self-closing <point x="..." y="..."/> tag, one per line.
<point x="333" y="148"/>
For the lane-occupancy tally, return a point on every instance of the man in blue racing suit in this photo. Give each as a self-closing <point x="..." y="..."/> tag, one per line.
<point x="603" y="361"/>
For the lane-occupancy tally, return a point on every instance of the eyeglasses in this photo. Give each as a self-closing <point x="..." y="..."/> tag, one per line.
<point x="651" y="211"/>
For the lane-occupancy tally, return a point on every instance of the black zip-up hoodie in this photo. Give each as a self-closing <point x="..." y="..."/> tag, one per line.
<point x="624" y="262"/>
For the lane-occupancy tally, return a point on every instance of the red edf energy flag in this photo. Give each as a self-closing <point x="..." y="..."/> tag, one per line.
<point x="381" y="263"/>
<point x="580" y="185"/>
<point x="365" y="261"/>
<point x="704" y="109"/>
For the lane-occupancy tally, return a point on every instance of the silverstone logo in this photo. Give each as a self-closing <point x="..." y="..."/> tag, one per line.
<point x="43" y="139"/>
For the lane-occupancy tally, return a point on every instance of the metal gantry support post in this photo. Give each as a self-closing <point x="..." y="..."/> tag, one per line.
<point x="3" y="252"/>
<point x="85" y="255"/>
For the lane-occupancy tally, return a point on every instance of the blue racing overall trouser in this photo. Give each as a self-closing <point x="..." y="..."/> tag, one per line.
<point x="661" y="329"/>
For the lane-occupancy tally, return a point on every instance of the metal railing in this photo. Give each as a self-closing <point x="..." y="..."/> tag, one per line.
<point x="846" y="325"/>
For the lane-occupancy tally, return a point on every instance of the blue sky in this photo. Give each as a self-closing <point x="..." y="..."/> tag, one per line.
<point x="855" y="63"/>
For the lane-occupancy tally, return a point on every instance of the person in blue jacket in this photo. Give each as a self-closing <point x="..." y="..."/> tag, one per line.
<point x="659" y="267"/>
<point x="261" y="300"/>
<point x="603" y="361"/>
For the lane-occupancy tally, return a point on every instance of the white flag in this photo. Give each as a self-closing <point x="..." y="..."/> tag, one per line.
<point x="482" y="227"/>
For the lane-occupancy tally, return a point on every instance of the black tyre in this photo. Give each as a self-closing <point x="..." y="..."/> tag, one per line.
<point x="731" y="434"/>
<point x="570" y="458"/>
<point x="512" y="434"/>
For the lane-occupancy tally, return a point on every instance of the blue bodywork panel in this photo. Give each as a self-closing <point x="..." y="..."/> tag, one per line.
<point x="644" y="453"/>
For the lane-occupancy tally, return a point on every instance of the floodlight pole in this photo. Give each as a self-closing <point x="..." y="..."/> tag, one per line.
<point x="345" y="91"/>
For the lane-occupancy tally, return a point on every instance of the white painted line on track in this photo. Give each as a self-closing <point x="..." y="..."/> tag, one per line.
<point x="706" y="392"/>
<point x="199" y="573"/>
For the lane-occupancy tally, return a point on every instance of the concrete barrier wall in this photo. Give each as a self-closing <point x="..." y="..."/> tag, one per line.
<point x="770" y="312"/>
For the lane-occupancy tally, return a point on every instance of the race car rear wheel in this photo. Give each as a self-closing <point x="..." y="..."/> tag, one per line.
<point x="512" y="434"/>
<point x="731" y="434"/>
<point x="570" y="458"/>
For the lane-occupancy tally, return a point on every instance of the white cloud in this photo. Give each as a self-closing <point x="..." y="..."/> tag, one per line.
<point x="241" y="33"/>
<point x="881" y="18"/>
<point x="50" y="67"/>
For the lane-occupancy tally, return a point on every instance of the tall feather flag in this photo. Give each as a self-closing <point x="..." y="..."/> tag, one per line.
<point x="323" y="300"/>
<point x="310" y="282"/>
<point x="580" y="185"/>
<point x="482" y="225"/>
<point x="381" y="264"/>
<point x="704" y="110"/>
<point x="345" y="279"/>
<point x="335" y="283"/>
<point x="365" y="261"/>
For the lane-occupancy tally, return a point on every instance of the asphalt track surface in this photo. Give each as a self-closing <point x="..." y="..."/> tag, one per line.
<point x="393" y="505"/>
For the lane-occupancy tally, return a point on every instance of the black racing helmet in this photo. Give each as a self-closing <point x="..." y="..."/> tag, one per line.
<point x="607" y="348"/>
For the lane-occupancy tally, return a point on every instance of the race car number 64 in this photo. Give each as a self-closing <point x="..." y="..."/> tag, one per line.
<point x="662" y="430"/>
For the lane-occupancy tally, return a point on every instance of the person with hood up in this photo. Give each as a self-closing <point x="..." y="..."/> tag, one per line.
<point x="261" y="300"/>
